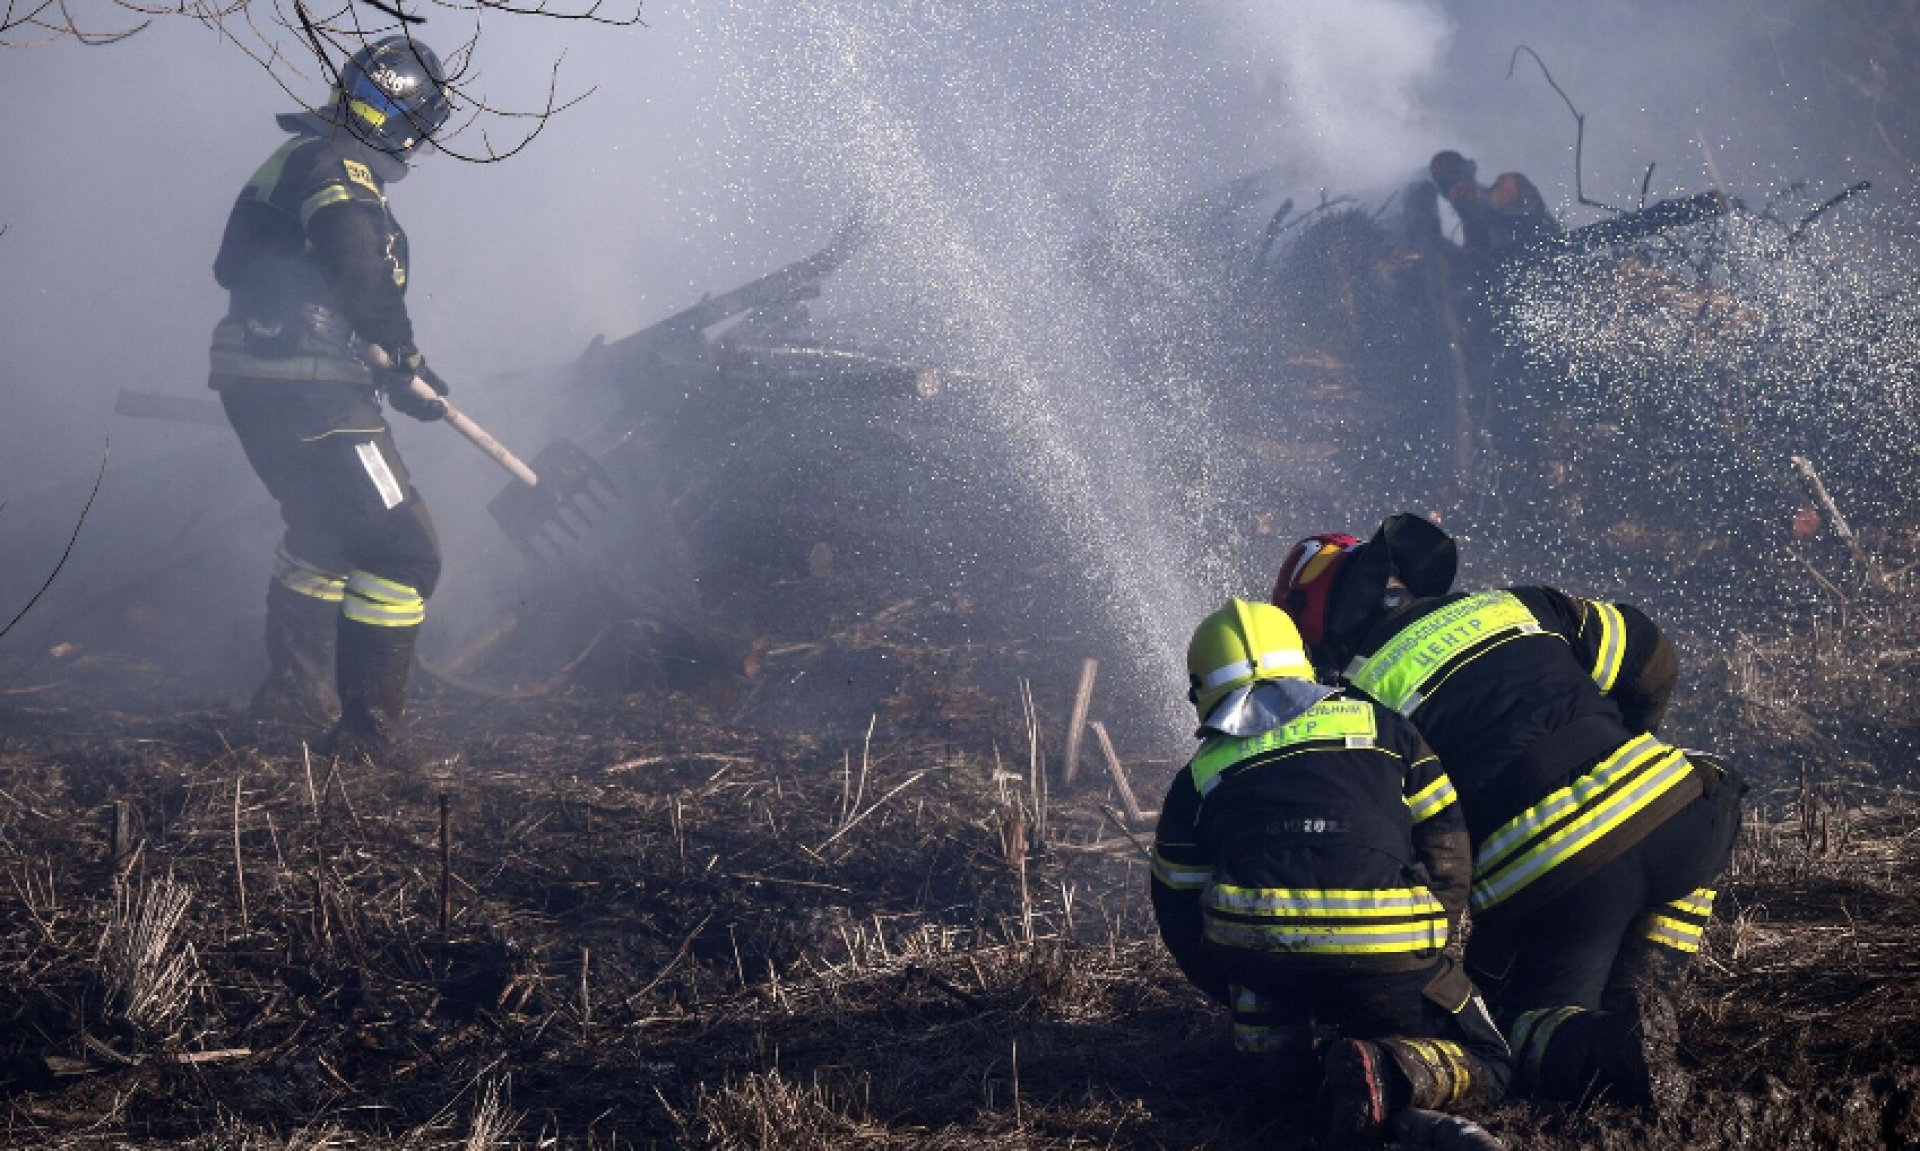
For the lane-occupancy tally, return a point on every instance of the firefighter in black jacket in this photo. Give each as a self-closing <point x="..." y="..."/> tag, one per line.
<point x="1309" y="868"/>
<point x="1595" y="845"/>
<point x="317" y="269"/>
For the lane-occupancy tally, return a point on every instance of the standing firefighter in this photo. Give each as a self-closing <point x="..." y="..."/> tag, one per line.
<point x="318" y="271"/>
<point x="1595" y="845"/>
<point x="1309" y="867"/>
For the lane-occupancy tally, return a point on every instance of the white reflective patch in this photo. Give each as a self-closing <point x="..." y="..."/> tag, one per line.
<point x="380" y="474"/>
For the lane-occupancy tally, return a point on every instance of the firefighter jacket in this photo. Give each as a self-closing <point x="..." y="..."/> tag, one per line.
<point x="1542" y="707"/>
<point x="316" y="267"/>
<point x="1331" y="842"/>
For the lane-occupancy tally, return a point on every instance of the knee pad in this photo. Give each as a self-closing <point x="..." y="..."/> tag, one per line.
<point x="377" y="602"/>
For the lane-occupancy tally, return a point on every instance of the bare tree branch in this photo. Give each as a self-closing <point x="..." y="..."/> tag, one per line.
<point x="288" y="38"/>
<point x="1579" y="125"/>
<point x="71" y="540"/>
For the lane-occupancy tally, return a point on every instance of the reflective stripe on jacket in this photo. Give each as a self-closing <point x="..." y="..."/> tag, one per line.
<point x="1332" y="839"/>
<point x="1521" y="692"/>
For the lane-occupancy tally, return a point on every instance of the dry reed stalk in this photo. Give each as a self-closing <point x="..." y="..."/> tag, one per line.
<point x="492" y="1124"/>
<point x="150" y="971"/>
<point x="1077" y="725"/>
<point x="239" y="867"/>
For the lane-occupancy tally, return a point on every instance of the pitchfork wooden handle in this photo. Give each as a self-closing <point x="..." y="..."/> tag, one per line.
<point x="475" y="434"/>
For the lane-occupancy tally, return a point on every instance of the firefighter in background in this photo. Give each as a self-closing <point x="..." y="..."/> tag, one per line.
<point x="318" y="269"/>
<point x="1309" y="868"/>
<point x="1510" y="213"/>
<point x="1596" y="846"/>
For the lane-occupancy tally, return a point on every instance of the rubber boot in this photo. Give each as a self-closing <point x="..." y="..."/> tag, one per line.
<point x="1359" y="1096"/>
<point x="1629" y="1054"/>
<point x="373" y="666"/>
<point x="1442" y="1075"/>
<point x="1636" y="1052"/>
<point x="298" y="692"/>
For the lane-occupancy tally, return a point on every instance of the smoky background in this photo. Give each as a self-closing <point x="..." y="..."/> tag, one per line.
<point x="1024" y="168"/>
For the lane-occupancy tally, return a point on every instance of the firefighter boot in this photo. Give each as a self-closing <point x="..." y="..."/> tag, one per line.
<point x="1361" y="1093"/>
<point x="1628" y="1052"/>
<point x="1635" y="1052"/>
<point x="1442" y="1075"/>
<point x="298" y="691"/>
<point x="374" y="664"/>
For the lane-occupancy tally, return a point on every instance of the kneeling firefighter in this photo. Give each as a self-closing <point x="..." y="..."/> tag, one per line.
<point x="1309" y="867"/>
<point x="1596" y="846"/>
<point x="318" y="269"/>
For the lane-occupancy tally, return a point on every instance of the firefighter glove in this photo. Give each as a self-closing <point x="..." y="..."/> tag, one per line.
<point x="396" y="380"/>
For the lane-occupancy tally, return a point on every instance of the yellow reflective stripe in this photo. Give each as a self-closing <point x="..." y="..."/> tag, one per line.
<point x="367" y="112"/>
<point x="1402" y="674"/>
<point x="1283" y="661"/>
<point x="376" y="587"/>
<point x="1533" y="1031"/>
<point x="381" y="615"/>
<point x="1247" y="1001"/>
<point x="1672" y="933"/>
<point x="1666" y="772"/>
<point x="1179" y="876"/>
<point x="326" y="197"/>
<point x="297" y="575"/>
<point x="1457" y="1062"/>
<point x="1699" y="903"/>
<point x="1443" y="1055"/>
<point x="1613" y="644"/>
<point x="1316" y="903"/>
<point x="267" y="175"/>
<point x="1621" y="763"/>
<point x="1350" y="721"/>
<point x="382" y="602"/>
<point x="1432" y="799"/>
<point x="1347" y="939"/>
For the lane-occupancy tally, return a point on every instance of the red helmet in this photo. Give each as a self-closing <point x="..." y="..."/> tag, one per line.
<point x="1306" y="581"/>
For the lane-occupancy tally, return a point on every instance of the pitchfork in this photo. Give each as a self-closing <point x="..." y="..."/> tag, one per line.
<point x="553" y="502"/>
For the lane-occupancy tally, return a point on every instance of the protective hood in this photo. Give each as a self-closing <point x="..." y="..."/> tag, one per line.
<point x="1262" y="706"/>
<point x="390" y="168"/>
<point x="1418" y="551"/>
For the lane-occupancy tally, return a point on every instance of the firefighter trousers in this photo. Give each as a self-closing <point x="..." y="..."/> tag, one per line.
<point x="1633" y="925"/>
<point x="326" y="454"/>
<point x="1433" y="1010"/>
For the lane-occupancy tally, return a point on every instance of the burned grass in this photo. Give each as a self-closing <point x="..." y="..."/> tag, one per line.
<point x="653" y="930"/>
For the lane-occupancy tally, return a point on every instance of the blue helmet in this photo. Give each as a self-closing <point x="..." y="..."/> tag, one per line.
<point x="392" y="95"/>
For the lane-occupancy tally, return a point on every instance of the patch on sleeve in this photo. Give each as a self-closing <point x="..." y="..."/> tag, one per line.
<point x="381" y="475"/>
<point x="361" y="175"/>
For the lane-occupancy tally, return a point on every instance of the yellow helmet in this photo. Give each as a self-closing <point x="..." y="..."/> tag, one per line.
<point x="1242" y="643"/>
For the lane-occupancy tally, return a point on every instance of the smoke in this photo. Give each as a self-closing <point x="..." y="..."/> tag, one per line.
<point x="1348" y="88"/>
<point x="1040" y="181"/>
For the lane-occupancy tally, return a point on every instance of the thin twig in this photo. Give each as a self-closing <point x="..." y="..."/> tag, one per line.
<point x="855" y="821"/>
<point x="685" y="946"/>
<point x="1579" y="125"/>
<point x="71" y="540"/>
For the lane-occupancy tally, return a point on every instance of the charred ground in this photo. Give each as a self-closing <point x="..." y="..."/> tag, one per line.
<point x="664" y="929"/>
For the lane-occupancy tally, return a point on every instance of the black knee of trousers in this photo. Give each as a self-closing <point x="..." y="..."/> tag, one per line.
<point x="403" y="547"/>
